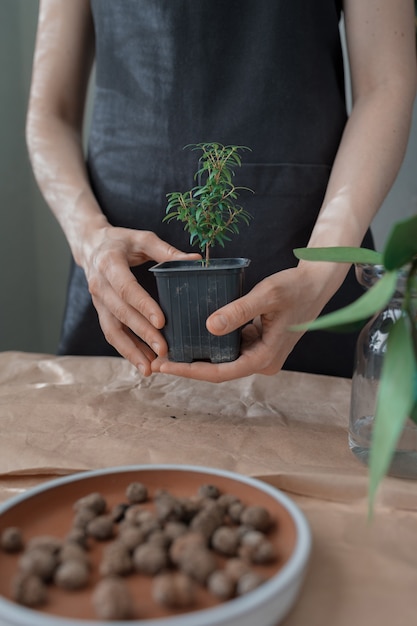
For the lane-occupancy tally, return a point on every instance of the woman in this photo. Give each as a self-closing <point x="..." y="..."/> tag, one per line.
<point x="266" y="75"/>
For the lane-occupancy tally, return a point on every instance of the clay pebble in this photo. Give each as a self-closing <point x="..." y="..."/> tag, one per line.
<point x="221" y="585"/>
<point x="257" y="517"/>
<point x="29" y="590"/>
<point x="116" y="560"/>
<point x="93" y="501"/>
<point x="136" y="492"/>
<point x="174" y="590"/>
<point x="150" y="559"/>
<point x="38" y="562"/>
<point x="112" y="600"/>
<point x="101" y="527"/>
<point x="226" y="540"/>
<point x="72" y="574"/>
<point x="11" y="539"/>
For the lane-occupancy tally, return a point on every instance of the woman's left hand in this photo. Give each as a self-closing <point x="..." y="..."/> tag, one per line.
<point x="266" y="312"/>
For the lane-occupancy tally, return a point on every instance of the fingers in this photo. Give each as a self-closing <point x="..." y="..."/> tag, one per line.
<point x="211" y="372"/>
<point x="256" y="357"/>
<point x="126" y="343"/>
<point x="126" y="305"/>
<point x="128" y="315"/>
<point x="117" y="288"/>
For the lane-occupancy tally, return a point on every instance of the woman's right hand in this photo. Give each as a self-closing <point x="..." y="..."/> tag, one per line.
<point x="129" y="317"/>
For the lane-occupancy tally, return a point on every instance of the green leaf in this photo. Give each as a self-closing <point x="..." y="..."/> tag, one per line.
<point x="401" y="245"/>
<point x="349" y="327"/>
<point x="364" y="307"/>
<point x="340" y="254"/>
<point x="394" y="403"/>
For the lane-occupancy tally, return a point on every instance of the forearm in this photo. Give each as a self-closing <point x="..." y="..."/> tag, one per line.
<point x="58" y="163"/>
<point x="380" y="38"/>
<point x="64" y="54"/>
<point x="367" y="163"/>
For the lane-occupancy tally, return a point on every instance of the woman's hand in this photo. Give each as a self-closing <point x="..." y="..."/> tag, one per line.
<point x="268" y="310"/>
<point x="129" y="317"/>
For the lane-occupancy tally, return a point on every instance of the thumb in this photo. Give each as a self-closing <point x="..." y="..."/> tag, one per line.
<point x="233" y="315"/>
<point x="160" y="251"/>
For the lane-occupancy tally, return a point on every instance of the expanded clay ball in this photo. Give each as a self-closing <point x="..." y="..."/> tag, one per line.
<point x="29" y="589"/>
<point x="168" y="508"/>
<point x="190" y="508"/>
<point x="173" y="530"/>
<point x="72" y="574"/>
<point x="131" y="513"/>
<point x="198" y="563"/>
<point x="209" y="491"/>
<point x="138" y="516"/>
<point x="11" y="539"/>
<point x="174" y="590"/>
<point x="45" y="542"/>
<point x="93" y="501"/>
<point x="150" y="559"/>
<point x="131" y="536"/>
<point x="187" y="541"/>
<point x="39" y="562"/>
<point x="248" y="582"/>
<point x="136" y="493"/>
<point x="150" y="526"/>
<point x="112" y="600"/>
<point x="257" y="517"/>
<point x="257" y="548"/>
<point x="251" y="537"/>
<point x="116" y="560"/>
<point x="72" y="552"/>
<point x="207" y="521"/>
<point x="82" y="518"/>
<point x="226" y="540"/>
<point x="159" y="538"/>
<point x="235" y="511"/>
<point x="101" y="527"/>
<point x="227" y="499"/>
<point x="236" y="568"/>
<point x="78" y="536"/>
<point x="260" y="553"/>
<point x="221" y="585"/>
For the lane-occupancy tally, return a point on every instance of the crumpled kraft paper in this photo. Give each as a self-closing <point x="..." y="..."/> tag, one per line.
<point x="59" y="415"/>
<point x="64" y="414"/>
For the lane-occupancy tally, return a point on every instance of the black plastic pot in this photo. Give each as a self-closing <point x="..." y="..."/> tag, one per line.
<point x="188" y="293"/>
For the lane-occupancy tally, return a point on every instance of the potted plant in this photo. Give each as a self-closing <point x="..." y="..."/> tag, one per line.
<point x="396" y="394"/>
<point x="189" y="291"/>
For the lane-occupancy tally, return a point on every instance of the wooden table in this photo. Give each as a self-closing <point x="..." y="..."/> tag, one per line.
<point x="59" y="415"/>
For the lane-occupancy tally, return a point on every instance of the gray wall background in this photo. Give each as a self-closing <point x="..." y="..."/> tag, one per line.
<point x="34" y="256"/>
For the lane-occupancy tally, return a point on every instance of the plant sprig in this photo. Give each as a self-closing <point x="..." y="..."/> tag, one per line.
<point x="209" y="210"/>
<point x="397" y="390"/>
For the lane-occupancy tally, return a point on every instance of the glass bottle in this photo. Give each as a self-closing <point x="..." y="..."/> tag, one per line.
<point x="370" y="350"/>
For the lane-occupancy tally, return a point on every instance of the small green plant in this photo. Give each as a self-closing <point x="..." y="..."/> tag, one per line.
<point x="209" y="211"/>
<point x="397" y="390"/>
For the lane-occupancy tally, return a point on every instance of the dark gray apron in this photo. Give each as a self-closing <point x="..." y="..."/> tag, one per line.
<point x="267" y="74"/>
